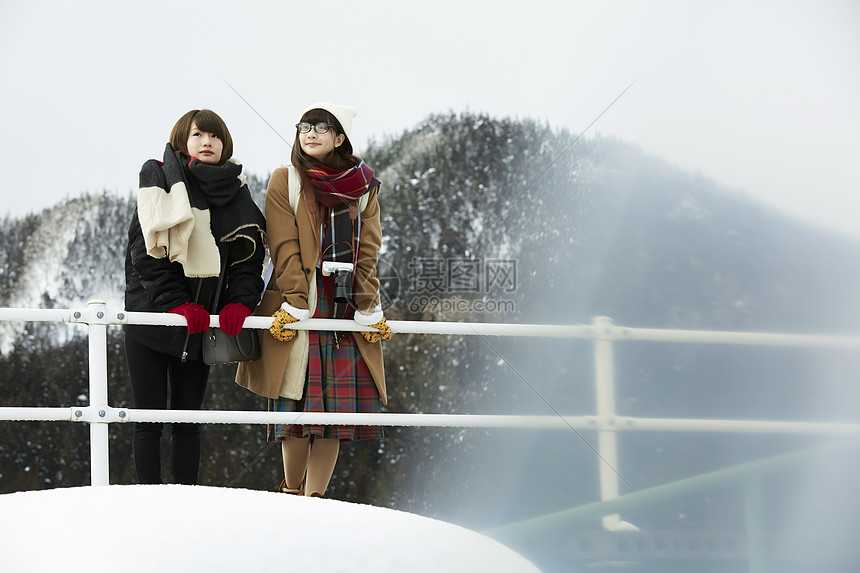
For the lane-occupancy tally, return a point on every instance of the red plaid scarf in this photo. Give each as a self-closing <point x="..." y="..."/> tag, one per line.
<point x="339" y="193"/>
<point x="333" y="188"/>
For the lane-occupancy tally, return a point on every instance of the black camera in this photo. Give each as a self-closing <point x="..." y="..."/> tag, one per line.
<point x="342" y="280"/>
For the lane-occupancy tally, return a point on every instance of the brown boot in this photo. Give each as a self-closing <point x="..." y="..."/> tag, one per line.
<point x="284" y="489"/>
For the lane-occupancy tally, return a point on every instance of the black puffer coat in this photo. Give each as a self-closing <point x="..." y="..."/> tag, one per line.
<point x="158" y="285"/>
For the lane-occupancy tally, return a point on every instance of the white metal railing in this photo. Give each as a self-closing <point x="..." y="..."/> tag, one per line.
<point x="606" y="422"/>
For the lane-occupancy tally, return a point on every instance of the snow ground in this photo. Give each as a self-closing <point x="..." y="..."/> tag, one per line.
<point x="170" y="528"/>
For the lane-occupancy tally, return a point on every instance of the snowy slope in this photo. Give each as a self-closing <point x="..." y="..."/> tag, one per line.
<point x="192" y="528"/>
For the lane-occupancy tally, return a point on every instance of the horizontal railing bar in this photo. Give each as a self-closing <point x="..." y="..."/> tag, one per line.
<point x="331" y="418"/>
<point x="36" y="315"/>
<point x="495" y="421"/>
<point x="21" y="414"/>
<point x="729" y="337"/>
<point x="732" y="426"/>
<point x="614" y="423"/>
<point x="491" y="329"/>
<point x="582" y="331"/>
<point x="397" y="326"/>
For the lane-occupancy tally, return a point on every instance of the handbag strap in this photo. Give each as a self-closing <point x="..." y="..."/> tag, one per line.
<point x="220" y="282"/>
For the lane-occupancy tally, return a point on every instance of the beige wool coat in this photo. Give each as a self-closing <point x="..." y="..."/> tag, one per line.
<point x="294" y="245"/>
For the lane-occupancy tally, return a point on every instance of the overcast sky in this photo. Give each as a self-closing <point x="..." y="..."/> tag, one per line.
<point x="760" y="96"/>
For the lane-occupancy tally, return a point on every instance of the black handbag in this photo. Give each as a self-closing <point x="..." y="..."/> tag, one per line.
<point x="221" y="348"/>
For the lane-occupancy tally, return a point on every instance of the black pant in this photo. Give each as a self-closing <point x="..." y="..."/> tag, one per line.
<point x="152" y="374"/>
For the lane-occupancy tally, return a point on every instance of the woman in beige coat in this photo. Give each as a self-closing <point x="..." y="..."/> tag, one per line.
<point x="321" y="212"/>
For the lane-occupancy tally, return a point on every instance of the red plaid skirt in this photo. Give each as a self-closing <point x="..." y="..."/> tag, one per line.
<point x="337" y="381"/>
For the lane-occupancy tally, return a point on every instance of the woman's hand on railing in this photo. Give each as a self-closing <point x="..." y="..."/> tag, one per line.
<point x="232" y="318"/>
<point x="374" y="320"/>
<point x="279" y="329"/>
<point x="195" y="315"/>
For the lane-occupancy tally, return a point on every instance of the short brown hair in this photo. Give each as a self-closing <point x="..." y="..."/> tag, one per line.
<point x="206" y="120"/>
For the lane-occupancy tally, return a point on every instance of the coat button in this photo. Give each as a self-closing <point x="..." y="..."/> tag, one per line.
<point x="307" y="271"/>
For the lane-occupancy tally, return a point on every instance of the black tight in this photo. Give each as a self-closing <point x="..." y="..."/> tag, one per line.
<point x="152" y="373"/>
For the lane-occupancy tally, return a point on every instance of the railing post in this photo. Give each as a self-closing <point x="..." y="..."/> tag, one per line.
<point x="607" y="440"/>
<point x="99" y="430"/>
<point x="754" y="514"/>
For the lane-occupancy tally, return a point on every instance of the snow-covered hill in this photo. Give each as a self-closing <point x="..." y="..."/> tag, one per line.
<point x="181" y="529"/>
<point x="73" y="254"/>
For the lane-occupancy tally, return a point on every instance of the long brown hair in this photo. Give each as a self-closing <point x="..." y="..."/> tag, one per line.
<point x="341" y="157"/>
<point x="206" y="120"/>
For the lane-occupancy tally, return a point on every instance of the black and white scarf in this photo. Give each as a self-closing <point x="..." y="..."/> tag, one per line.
<point x="180" y="211"/>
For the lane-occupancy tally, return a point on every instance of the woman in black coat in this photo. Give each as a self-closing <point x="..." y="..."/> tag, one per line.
<point x="194" y="220"/>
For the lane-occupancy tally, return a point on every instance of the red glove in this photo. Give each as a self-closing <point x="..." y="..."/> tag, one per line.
<point x="195" y="315"/>
<point x="232" y="317"/>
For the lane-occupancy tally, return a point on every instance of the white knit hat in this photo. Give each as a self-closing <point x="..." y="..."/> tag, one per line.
<point x="344" y="114"/>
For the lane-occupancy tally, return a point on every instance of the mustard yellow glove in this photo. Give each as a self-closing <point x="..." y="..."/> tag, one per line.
<point x="283" y="318"/>
<point x="384" y="331"/>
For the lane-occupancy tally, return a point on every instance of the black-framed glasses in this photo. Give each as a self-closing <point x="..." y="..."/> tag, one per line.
<point x="320" y="127"/>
